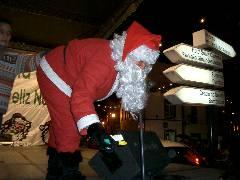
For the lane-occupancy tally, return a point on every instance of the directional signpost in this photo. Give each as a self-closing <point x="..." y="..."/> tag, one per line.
<point x="198" y="71"/>
<point x="198" y="96"/>
<point x="183" y="53"/>
<point x="204" y="39"/>
<point x="198" y="68"/>
<point x="190" y="75"/>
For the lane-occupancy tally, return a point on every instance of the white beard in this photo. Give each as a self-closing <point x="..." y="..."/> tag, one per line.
<point x="132" y="81"/>
<point x="132" y="86"/>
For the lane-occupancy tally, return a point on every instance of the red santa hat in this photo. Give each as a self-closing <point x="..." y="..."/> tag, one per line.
<point x="137" y="35"/>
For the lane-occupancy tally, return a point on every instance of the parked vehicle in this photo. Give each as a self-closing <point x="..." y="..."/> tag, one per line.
<point x="188" y="163"/>
<point x="181" y="153"/>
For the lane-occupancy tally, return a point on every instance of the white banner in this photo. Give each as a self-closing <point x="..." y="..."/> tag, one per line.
<point x="27" y="118"/>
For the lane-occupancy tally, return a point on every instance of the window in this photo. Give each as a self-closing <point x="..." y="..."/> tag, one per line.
<point x="169" y="110"/>
<point x="193" y="118"/>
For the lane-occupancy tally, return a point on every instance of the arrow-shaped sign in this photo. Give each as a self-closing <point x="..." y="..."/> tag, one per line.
<point x="183" y="53"/>
<point x="190" y="75"/>
<point x="196" y="96"/>
<point x="204" y="39"/>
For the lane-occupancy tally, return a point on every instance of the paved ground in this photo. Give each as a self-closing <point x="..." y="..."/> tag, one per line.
<point x="30" y="163"/>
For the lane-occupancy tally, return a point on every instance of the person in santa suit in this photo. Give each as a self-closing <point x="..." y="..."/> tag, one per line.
<point x="71" y="78"/>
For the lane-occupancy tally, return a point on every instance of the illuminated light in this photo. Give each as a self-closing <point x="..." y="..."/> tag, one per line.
<point x="233" y="113"/>
<point x="197" y="161"/>
<point x="170" y="84"/>
<point x="159" y="88"/>
<point x="234" y="129"/>
<point x="113" y="115"/>
<point x="103" y="123"/>
<point x="223" y="111"/>
<point x="190" y="75"/>
<point x="98" y="105"/>
<point x="199" y="96"/>
<point x="204" y="39"/>
<point x="202" y="20"/>
<point x="163" y="87"/>
<point x="160" y="45"/>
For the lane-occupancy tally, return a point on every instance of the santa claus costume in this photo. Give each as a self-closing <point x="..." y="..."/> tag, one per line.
<point x="71" y="78"/>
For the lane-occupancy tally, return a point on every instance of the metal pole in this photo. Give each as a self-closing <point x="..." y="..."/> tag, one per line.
<point x="142" y="144"/>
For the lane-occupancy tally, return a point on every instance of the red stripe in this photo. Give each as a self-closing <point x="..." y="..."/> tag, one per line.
<point x="8" y="83"/>
<point x="4" y="95"/>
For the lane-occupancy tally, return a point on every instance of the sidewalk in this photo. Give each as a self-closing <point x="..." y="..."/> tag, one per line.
<point x="30" y="163"/>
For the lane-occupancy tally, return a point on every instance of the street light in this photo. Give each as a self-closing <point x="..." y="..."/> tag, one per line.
<point x="113" y="115"/>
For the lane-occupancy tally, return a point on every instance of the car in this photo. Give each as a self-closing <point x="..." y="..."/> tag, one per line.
<point x="182" y="153"/>
<point x="186" y="163"/>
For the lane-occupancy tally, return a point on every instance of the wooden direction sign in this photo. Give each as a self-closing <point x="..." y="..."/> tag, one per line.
<point x="183" y="53"/>
<point x="196" y="96"/>
<point x="190" y="75"/>
<point x="204" y="39"/>
<point x="195" y="68"/>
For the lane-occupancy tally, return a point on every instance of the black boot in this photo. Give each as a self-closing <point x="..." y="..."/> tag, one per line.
<point x="54" y="170"/>
<point x="70" y="164"/>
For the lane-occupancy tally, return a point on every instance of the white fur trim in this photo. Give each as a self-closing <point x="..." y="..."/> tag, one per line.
<point x="114" y="88"/>
<point x="47" y="69"/>
<point x="87" y="121"/>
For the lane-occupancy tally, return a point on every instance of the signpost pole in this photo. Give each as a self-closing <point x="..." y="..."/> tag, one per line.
<point x="141" y="124"/>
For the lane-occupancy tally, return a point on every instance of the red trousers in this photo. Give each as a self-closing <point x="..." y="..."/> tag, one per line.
<point x="63" y="132"/>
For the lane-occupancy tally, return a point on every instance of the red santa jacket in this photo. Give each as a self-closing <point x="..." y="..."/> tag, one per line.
<point x="86" y="74"/>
